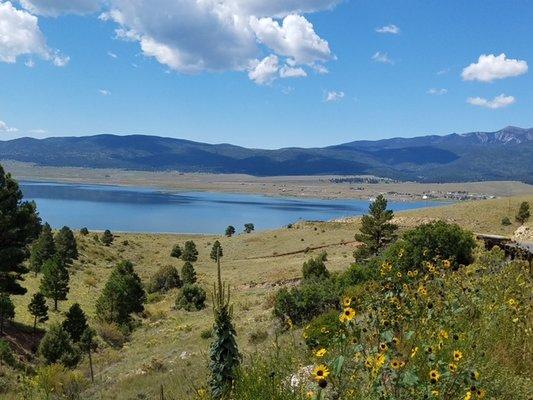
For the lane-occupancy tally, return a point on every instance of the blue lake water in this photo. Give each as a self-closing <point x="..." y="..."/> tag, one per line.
<point x="137" y="209"/>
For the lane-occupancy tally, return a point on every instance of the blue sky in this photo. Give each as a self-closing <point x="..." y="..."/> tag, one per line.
<point x="173" y="68"/>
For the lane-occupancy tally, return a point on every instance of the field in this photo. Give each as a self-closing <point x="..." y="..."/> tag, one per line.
<point x="167" y="349"/>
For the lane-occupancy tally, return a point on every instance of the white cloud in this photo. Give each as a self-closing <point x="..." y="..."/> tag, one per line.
<point x="497" y="102"/>
<point x="192" y="36"/>
<point x="443" y="71"/>
<point x="54" y="8"/>
<point x="392" y="29"/>
<point x="29" y="63"/>
<point x="291" y="72"/>
<point x="294" y="38"/>
<point x="4" y="128"/>
<point x="111" y="54"/>
<point x="264" y="71"/>
<point x="20" y="35"/>
<point x="382" y="58"/>
<point x="104" y="92"/>
<point x="437" y="92"/>
<point x="334" y="96"/>
<point x="37" y="131"/>
<point x="490" y="67"/>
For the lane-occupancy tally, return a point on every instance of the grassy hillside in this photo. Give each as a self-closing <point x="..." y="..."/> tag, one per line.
<point x="167" y="349"/>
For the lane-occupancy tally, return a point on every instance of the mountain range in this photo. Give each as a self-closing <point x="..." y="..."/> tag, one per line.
<point x="506" y="154"/>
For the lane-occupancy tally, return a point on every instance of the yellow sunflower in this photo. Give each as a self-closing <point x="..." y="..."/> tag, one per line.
<point x="457" y="355"/>
<point x="320" y="372"/>
<point x="347" y="314"/>
<point x="452" y="367"/>
<point x="434" y="376"/>
<point x="395" y="364"/>
<point x="321" y="353"/>
<point x="347" y="301"/>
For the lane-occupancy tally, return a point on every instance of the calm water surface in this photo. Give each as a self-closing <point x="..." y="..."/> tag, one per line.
<point x="136" y="209"/>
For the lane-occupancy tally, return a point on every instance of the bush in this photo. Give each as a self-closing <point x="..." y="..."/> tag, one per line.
<point x="165" y="279"/>
<point x="324" y="330"/>
<point x="431" y="242"/>
<point x="84" y="231"/>
<point x="112" y="334"/>
<point x="6" y="354"/>
<point x="56" y="347"/>
<point x="56" y="382"/>
<point x="191" y="298"/>
<point x="107" y="237"/>
<point x="357" y="274"/>
<point x="206" y="334"/>
<point x="300" y="304"/>
<point x="506" y="221"/>
<point x="315" y="267"/>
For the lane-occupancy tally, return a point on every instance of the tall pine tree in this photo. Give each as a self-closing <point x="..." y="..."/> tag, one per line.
<point x="75" y="322"/>
<point x="19" y="226"/>
<point x="42" y="249"/>
<point x="66" y="246"/>
<point x="216" y="251"/>
<point x="38" y="309"/>
<point x="7" y="310"/>
<point x="376" y="229"/>
<point x="188" y="274"/>
<point x="190" y="253"/>
<point x="55" y="280"/>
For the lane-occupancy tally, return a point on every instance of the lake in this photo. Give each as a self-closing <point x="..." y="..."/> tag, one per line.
<point x="138" y="209"/>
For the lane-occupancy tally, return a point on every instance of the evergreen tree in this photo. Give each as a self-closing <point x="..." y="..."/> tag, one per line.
<point x="38" y="309"/>
<point x="230" y="231"/>
<point x="7" y="310"/>
<point x="216" y="251"/>
<point x="19" y="226"/>
<point x="55" y="280"/>
<point x="75" y="322"/>
<point x="123" y="294"/>
<point x="42" y="249"/>
<point x="248" y="228"/>
<point x="56" y="347"/>
<point x="523" y="213"/>
<point x="84" y="231"/>
<point x="376" y="228"/>
<point x="166" y="278"/>
<point x="176" y="251"/>
<point x="315" y="267"/>
<point x="190" y="253"/>
<point x="188" y="274"/>
<point x="88" y="344"/>
<point x="107" y="237"/>
<point x="66" y="246"/>
<point x="224" y="353"/>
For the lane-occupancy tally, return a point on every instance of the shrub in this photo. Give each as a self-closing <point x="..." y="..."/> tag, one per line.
<point x="107" y="237"/>
<point x="191" y="298"/>
<point x="6" y="354"/>
<point x="506" y="221"/>
<point x="431" y="242"/>
<point x="112" y="334"/>
<point x="56" y="382"/>
<point x="523" y="213"/>
<point x="258" y="336"/>
<point x="315" y="267"/>
<point x="357" y="274"/>
<point x="206" y="334"/>
<point x="324" y="330"/>
<point x="165" y="279"/>
<point x="300" y="304"/>
<point x="249" y="227"/>
<point x="188" y="273"/>
<point x="176" y="251"/>
<point x="56" y="347"/>
<point x="84" y="231"/>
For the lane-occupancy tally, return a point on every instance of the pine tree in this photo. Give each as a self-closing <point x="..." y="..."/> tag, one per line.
<point x="188" y="274"/>
<point x="88" y="344"/>
<point x="42" y="249"/>
<point x="230" y="231"/>
<point x="19" y="226"/>
<point x="123" y="294"/>
<point x="376" y="228"/>
<point x="107" y="237"/>
<point x="66" y="246"/>
<point x="38" y="309"/>
<point x="56" y="347"/>
<point x="190" y="253"/>
<point x="248" y="228"/>
<point x="75" y="322"/>
<point x="55" y="280"/>
<point x="176" y="251"/>
<point x="7" y="310"/>
<point x="523" y="213"/>
<point x="224" y="353"/>
<point x="216" y="251"/>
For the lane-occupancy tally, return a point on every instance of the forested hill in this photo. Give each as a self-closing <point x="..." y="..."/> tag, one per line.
<point x="506" y="154"/>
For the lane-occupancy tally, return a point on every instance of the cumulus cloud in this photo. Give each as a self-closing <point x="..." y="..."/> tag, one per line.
<point x="333" y="96"/>
<point x="191" y="36"/>
<point x="497" y="102"/>
<point x="20" y="35"/>
<point x="437" y="92"/>
<point x="4" y="128"/>
<point x="264" y="71"/>
<point x="490" y="67"/>
<point x="392" y="29"/>
<point x="382" y="58"/>
<point x="54" y="8"/>
<point x="104" y="92"/>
